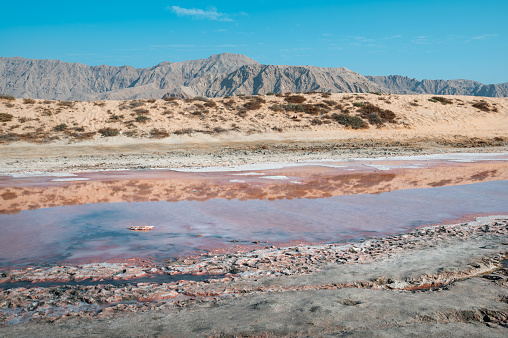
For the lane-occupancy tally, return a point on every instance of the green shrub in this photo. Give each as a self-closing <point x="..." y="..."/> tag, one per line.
<point x="441" y="99"/>
<point x="61" y="127"/>
<point x="270" y="93"/>
<point x="142" y="118"/>
<point x="107" y="132"/>
<point x="353" y="122"/>
<point x="295" y="107"/>
<point x="358" y="104"/>
<point x="7" y="97"/>
<point x="5" y="117"/>
<point x="276" y="107"/>
<point x="374" y="118"/>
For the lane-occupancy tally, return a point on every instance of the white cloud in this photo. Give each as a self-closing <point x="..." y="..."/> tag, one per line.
<point x="197" y="13"/>
<point x="485" y="36"/>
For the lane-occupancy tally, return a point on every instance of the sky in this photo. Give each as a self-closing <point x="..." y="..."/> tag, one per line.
<point x="421" y="39"/>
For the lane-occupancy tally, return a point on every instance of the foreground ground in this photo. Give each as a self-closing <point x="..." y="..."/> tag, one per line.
<point x="437" y="281"/>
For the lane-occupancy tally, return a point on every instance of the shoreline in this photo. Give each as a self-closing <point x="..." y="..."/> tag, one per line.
<point x="30" y="160"/>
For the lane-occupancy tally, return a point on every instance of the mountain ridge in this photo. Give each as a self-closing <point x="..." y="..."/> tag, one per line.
<point x="218" y="75"/>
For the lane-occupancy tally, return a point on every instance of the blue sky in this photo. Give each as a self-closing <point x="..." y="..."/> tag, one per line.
<point x="422" y="39"/>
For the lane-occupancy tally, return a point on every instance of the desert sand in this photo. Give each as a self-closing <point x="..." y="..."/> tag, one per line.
<point x="47" y="135"/>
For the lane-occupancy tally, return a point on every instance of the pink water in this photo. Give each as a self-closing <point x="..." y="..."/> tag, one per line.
<point x="311" y="204"/>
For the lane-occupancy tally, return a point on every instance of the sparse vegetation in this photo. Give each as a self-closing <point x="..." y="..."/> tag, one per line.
<point x="142" y="118"/>
<point x="482" y="105"/>
<point x="61" y="127"/>
<point x="68" y="104"/>
<point x="28" y="101"/>
<point x="186" y="131"/>
<point x="5" y="117"/>
<point x="108" y="132"/>
<point x="159" y="133"/>
<point x="295" y="99"/>
<point x="441" y="99"/>
<point x="353" y="122"/>
<point x="7" y="97"/>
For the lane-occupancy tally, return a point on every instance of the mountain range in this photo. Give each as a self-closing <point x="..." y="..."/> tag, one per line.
<point x="219" y="75"/>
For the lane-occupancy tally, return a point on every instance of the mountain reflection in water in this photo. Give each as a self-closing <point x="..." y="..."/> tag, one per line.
<point x="44" y="221"/>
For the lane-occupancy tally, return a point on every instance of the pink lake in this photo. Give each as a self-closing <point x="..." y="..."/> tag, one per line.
<point x="83" y="218"/>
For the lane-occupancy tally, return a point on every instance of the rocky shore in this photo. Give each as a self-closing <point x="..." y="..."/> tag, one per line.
<point x="448" y="278"/>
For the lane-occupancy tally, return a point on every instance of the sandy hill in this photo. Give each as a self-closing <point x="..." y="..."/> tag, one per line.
<point x="323" y="115"/>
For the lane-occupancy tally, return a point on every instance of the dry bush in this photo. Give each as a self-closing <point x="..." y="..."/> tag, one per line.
<point x="9" y="105"/>
<point x="330" y="103"/>
<point x="159" y="133"/>
<point x="316" y="122"/>
<point x="68" y="104"/>
<point x="482" y="105"/>
<point x="387" y="115"/>
<point x="186" y="131"/>
<point x="141" y="111"/>
<point x="252" y="105"/>
<point x="210" y="104"/>
<point x="28" y="101"/>
<point x="219" y="130"/>
<point x="115" y="117"/>
<point x="47" y="102"/>
<point x="441" y="99"/>
<point x="107" y="132"/>
<point x="326" y="94"/>
<point x="295" y="99"/>
<point x="7" y="97"/>
<point x="151" y="101"/>
<point x="229" y="103"/>
<point x="169" y="98"/>
<point x="368" y="108"/>
<point x="276" y="107"/>
<point x="5" y="117"/>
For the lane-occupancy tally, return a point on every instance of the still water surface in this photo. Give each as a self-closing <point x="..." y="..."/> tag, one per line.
<point x="83" y="221"/>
